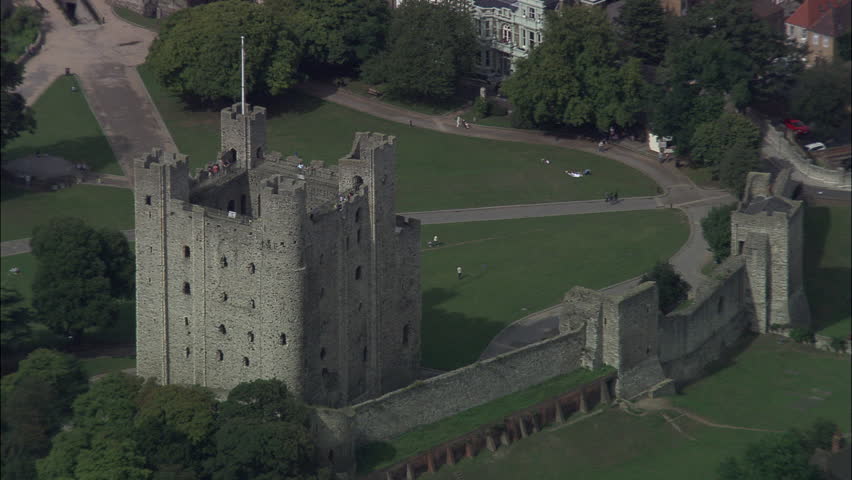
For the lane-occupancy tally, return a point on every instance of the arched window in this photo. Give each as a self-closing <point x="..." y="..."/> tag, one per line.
<point x="282" y="339"/>
<point x="186" y="288"/>
<point x="322" y="292"/>
<point x="251" y="268"/>
<point x="222" y="329"/>
<point x="364" y="354"/>
<point x="322" y="353"/>
<point x="258" y="153"/>
<point x="186" y="321"/>
<point x="507" y="33"/>
<point x="219" y="355"/>
<point x="223" y="261"/>
<point x="231" y="207"/>
<point x="324" y="372"/>
<point x="358" y="236"/>
<point x="187" y="352"/>
<point x="232" y="155"/>
<point x="147" y="199"/>
<point x="251" y="337"/>
<point x="246" y="361"/>
<point x="224" y="297"/>
<point x="186" y="251"/>
<point x="358" y="272"/>
<point x="721" y="305"/>
<point x="243" y="205"/>
<point x="251" y="302"/>
<point x="357" y="215"/>
<point x="360" y="306"/>
<point x="405" y="335"/>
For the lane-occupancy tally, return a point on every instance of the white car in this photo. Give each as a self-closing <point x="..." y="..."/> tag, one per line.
<point x="815" y="147"/>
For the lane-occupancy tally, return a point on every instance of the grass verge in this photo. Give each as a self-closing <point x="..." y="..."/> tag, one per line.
<point x="101" y="365"/>
<point x="21" y="210"/>
<point x="130" y="16"/>
<point x="828" y="268"/>
<point x="382" y="454"/>
<point x="67" y="128"/>
<point x="434" y="170"/>
<point x="516" y="267"/>
<point x="362" y="88"/>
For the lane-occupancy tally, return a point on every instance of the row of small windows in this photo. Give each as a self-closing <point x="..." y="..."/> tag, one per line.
<point x="224" y="260"/>
<point x="220" y="356"/>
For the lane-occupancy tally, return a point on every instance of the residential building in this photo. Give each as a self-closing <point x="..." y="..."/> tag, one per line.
<point x="817" y="24"/>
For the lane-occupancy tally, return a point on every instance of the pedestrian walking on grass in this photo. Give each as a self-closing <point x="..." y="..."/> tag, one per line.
<point x="459" y="272"/>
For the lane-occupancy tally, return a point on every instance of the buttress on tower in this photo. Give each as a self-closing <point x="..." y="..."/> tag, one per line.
<point x="271" y="268"/>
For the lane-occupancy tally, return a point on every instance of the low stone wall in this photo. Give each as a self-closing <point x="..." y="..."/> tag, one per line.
<point x="821" y="342"/>
<point x="696" y="336"/>
<point x="776" y="145"/>
<point x="428" y="401"/>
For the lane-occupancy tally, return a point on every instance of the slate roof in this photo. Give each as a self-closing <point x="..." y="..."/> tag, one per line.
<point x="764" y="204"/>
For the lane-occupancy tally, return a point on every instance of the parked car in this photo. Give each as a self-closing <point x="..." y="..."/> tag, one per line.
<point x="815" y="147"/>
<point x="797" y="126"/>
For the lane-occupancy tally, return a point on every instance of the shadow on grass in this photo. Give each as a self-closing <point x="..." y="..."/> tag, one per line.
<point x="829" y="289"/>
<point x="372" y="454"/>
<point x="93" y="151"/>
<point x="725" y="361"/>
<point x="452" y="339"/>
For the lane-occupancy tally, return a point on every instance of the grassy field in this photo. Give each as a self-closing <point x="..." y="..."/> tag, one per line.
<point x="22" y="210"/>
<point x="434" y="170"/>
<point x="522" y="266"/>
<point x="828" y="268"/>
<point x="22" y="282"/>
<point x="362" y="88"/>
<point x="382" y="454"/>
<point x="775" y="386"/>
<point x="145" y="22"/>
<point x="66" y="128"/>
<point x="769" y="385"/>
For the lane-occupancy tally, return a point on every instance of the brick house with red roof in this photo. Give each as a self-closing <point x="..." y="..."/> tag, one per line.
<point x="817" y="24"/>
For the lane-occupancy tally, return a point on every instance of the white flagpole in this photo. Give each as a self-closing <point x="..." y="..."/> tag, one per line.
<point x="243" y="72"/>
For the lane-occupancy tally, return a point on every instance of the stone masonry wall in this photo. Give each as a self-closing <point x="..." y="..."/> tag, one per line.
<point x="691" y="338"/>
<point x="431" y="400"/>
<point x="777" y="146"/>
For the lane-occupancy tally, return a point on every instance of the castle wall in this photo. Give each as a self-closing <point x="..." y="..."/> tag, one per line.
<point x="692" y="338"/>
<point x="436" y="398"/>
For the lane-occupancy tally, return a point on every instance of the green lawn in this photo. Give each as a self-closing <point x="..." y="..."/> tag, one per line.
<point x="362" y="88"/>
<point x="703" y="177"/>
<point x="140" y="20"/>
<point x="435" y="170"/>
<point x="22" y="282"/>
<point x="21" y="210"/>
<point x="775" y="386"/>
<point x="828" y="268"/>
<point x="612" y="445"/>
<point x="516" y="267"/>
<point x="100" y="365"/>
<point x="382" y="454"/>
<point x="67" y="128"/>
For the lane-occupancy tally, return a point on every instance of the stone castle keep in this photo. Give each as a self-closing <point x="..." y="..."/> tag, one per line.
<point x="270" y="268"/>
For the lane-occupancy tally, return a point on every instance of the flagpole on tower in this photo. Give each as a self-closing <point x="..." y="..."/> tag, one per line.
<point x="243" y="72"/>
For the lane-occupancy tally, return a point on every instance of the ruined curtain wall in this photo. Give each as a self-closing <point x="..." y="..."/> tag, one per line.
<point x="692" y="338"/>
<point x="439" y="397"/>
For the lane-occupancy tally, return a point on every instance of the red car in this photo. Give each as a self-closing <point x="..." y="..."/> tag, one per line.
<point x="797" y="126"/>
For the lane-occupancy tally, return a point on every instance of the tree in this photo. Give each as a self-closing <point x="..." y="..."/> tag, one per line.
<point x="335" y="33"/>
<point x="784" y="456"/>
<point x="15" y="116"/>
<point x="713" y="139"/>
<point x="79" y="271"/>
<point x="741" y="158"/>
<point x="672" y="287"/>
<point x="430" y="47"/>
<point x="677" y="111"/>
<point x="14" y="319"/>
<point x="716" y="227"/>
<point x="62" y="460"/>
<point x="108" y="459"/>
<point x="109" y="407"/>
<point x="643" y="29"/>
<point x="577" y="76"/>
<point x="187" y="410"/>
<point x="197" y="53"/>
<point x="844" y="46"/>
<point x="60" y="371"/>
<point x="821" y="95"/>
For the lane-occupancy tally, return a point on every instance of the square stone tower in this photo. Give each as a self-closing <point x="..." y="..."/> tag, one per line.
<point x="767" y="229"/>
<point x="267" y="267"/>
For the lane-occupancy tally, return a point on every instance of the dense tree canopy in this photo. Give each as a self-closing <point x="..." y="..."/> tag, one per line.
<point x="577" y="76"/>
<point x="730" y="146"/>
<point x="716" y="227"/>
<point x="335" y="33"/>
<point x="673" y="289"/>
<point x="822" y="96"/>
<point x="643" y="29"/>
<point x="81" y="274"/>
<point x="197" y="53"/>
<point x="14" y="319"/>
<point x="15" y="116"/>
<point x="430" y="47"/>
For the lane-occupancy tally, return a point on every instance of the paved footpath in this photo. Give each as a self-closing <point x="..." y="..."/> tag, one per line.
<point x="104" y="57"/>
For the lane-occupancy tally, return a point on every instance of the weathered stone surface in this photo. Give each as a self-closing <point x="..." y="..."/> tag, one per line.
<point x="489" y="443"/>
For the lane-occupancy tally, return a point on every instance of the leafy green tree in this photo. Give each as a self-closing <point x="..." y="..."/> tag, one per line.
<point x="190" y="411"/>
<point x="79" y="270"/>
<point x="822" y="96"/>
<point x="62" y="460"/>
<point x="716" y="227"/>
<point x="844" y="47"/>
<point x="60" y="371"/>
<point x="197" y="53"/>
<point x="109" y="407"/>
<point x="430" y="47"/>
<point x="677" y="111"/>
<point x="577" y="76"/>
<point x="741" y="158"/>
<point x="643" y="29"/>
<point x="673" y="289"/>
<point x="335" y="33"/>
<point x="784" y="456"/>
<point x="713" y="139"/>
<point x="14" y="319"/>
<point x="15" y="116"/>
<point x="108" y="459"/>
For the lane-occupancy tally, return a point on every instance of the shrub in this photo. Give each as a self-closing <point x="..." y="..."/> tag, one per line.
<point x="373" y="71"/>
<point x="481" y="108"/>
<point x="519" y="119"/>
<point x="802" y="335"/>
<point x="838" y="344"/>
